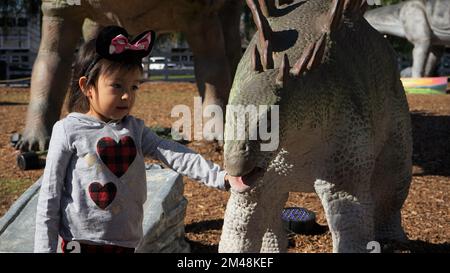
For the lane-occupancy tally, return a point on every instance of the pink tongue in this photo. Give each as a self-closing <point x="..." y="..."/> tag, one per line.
<point x="238" y="184"/>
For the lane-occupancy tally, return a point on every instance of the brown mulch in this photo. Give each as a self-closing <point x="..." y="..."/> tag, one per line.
<point x="426" y="213"/>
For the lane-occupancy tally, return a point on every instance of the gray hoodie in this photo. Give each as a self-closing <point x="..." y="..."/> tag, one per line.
<point x="94" y="182"/>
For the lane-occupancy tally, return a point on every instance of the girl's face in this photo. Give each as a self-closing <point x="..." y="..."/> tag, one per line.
<point x="113" y="95"/>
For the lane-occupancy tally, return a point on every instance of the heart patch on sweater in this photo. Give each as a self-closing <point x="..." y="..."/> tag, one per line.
<point x="117" y="156"/>
<point x="102" y="195"/>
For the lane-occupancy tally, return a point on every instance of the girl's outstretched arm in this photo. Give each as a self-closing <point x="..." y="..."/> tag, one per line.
<point x="183" y="160"/>
<point x="48" y="207"/>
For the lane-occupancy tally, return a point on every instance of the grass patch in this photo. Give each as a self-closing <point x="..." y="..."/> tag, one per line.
<point x="423" y="91"/>
<point x="12" y="187"/>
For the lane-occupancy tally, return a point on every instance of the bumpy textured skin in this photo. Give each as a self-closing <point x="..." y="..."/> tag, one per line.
<point x="345" y="133"/>
<point x="210" y="27"/>
<point x="425" y="24"/>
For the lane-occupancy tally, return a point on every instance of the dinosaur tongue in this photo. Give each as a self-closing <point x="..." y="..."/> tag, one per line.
<point x="244" y="183"/>
<point x="237" y="183"/>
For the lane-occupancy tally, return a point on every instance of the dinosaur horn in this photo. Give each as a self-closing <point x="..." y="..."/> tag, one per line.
<point x="319" y="50"/>
<point x="355" y="7"/>
<point x="363" y="7"/>
<point x="267" y="7"/>
<point x="265" y="33"/>
<point x="341" y="7"/>
<point x="300" y="66"/>
<point x="311" y="57"/>
<point x="351" y="5"/>
<point x="267" y="60"/>
<point x="337" y="12"/>
<point x="283" y="72"/>
<point x="256" y="60"/>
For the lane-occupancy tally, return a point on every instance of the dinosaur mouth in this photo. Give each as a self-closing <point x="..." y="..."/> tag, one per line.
<point x="253" y="175"/>
<point x="245" y="182"/>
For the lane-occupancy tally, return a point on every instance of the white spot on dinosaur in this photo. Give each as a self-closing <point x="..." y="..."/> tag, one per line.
<point x="280" y="165"/>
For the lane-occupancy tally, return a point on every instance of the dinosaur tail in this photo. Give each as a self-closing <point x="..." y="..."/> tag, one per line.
<point x="386" y="19"/>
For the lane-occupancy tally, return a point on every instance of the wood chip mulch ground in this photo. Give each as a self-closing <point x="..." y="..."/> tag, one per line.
<point x="426" y="213"/>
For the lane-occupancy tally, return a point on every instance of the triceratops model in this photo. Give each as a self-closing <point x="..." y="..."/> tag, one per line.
<point x="211" y="29"/>
<point x="426" y="24"/>
<point x="344" y="128"/>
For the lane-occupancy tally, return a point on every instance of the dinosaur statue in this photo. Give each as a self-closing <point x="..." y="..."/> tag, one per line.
<point x="426" y="24"/>
<point x="210" y="27"/>
<point x="344" y="127"/>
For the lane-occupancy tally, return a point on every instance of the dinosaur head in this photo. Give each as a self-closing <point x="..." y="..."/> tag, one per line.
<point x="252" y="126"/>
<point x="252" y="117"/>
<point x="256" y="111"/>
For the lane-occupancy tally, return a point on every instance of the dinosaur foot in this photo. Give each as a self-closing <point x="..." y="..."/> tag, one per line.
<point x="33" y="140"/>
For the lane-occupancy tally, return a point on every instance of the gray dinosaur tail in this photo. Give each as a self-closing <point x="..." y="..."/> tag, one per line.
<point x="386" y="19"/>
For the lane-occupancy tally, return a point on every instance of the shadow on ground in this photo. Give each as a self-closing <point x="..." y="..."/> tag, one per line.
<point x="3" y="103"/>
<point x="431" y="143"/>
<point x="418" y="246"/>
<point x="202" y="226"/>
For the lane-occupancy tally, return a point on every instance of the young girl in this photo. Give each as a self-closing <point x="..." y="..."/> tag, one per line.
<point x="94" y="183"/>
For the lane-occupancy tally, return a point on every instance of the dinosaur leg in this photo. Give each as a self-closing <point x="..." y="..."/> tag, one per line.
<point x="212" y="72"/>
<point x="417" y="30"/>
<point x="390" y="183"/>
<point x="349" y="215"/>
<point x="50" y="77"/>
<point x="252" y="221"/>
<point x="275" y="237"/>
<point x="434" y="56"/>
<point x="230" y="20"/>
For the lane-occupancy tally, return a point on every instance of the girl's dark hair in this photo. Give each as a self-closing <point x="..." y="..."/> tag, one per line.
<point x="77" y="101"/>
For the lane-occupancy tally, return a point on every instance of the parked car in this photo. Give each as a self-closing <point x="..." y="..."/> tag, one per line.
<point x="160" y="63"/>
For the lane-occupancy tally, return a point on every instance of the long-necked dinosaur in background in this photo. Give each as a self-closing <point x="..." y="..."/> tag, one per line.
<point x="210" y="27"/>
<point x="426" y="24"/>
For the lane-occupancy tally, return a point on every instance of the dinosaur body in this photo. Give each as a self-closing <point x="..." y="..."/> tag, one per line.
<point x="426" y="24"/>
<point x="210" y="27"/>
<point x="344" y="128"/>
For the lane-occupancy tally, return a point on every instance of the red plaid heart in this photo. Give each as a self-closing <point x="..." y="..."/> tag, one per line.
<point x="102" y="195"/>
<point x="117" y="156"/>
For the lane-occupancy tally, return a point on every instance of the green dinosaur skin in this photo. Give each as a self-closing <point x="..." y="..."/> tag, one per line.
<point x="345" y="133"/>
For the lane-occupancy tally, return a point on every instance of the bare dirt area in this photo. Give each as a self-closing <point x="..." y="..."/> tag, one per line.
<point x="425" y="215"/>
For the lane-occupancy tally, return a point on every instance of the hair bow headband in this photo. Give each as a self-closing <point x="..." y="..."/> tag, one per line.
<point x="120" y="43"/>
<point x="113" y="44"/>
